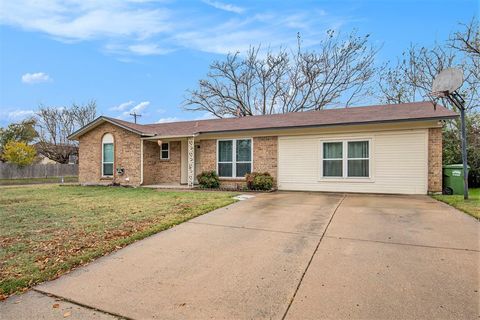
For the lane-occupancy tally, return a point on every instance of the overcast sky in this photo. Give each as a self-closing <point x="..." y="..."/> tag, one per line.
<point x="142" y="55"/>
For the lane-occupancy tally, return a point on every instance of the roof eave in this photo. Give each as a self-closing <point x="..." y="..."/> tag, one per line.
<point x="159" y="136"/>
<point x="333" y="124"/>
<point x="98" y="121"/>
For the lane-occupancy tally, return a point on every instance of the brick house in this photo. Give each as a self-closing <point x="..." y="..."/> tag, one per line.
<point x="378" y="149"/>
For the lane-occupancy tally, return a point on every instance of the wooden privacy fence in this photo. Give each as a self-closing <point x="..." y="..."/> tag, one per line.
<point x="12" y="171"/>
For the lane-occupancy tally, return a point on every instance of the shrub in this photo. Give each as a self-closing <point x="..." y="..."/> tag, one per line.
<point x="259" y="181"/>
<point x="208" y="179"/>
<point x="19" y="152"/>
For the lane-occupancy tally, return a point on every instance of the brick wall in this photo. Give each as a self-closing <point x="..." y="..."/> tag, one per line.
<point x="208" y="155"/>
<point x="264" y="159"/>
<point x="155" y="170"/>
<point x="126" y="155"/>
<point x="265" y="155"/>
<point x="435" y="160"/>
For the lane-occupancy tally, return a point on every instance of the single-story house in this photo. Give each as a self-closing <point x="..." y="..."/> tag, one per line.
<point x="377" y="149"/>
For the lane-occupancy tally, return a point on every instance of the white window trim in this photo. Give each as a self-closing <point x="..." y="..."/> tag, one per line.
<point x="345" y="159"/>
<point x="103" y="156"/>
<point x="168" y="150"/>
<point x="329" y="159"/>
<point x="234" y="157"/>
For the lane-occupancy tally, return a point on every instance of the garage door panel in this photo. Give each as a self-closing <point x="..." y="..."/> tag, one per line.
<point x="399" y="163"/>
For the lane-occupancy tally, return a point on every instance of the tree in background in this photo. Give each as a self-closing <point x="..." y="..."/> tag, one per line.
<point x="468" y="42"/>
<point x="412" y="77"/>
<point x="23" y="131"/>
<point x="452" y="152"/>
<point x="279" y="82"/>
<point x="19" y="153"/>
<point x="411" y="80"/>
<point x="54" y="125"/>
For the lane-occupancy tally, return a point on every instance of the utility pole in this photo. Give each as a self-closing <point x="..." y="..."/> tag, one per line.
<point x="135" y="116"/>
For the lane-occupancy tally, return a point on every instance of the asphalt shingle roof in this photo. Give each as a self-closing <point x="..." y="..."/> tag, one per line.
<point x="328" y="117"/>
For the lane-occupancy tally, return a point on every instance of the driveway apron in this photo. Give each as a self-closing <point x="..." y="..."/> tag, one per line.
<point x="240" y="262"/>
<point x="393" y="257"/>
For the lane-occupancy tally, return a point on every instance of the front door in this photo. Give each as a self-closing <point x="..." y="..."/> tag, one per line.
<point x="197" y="161"/>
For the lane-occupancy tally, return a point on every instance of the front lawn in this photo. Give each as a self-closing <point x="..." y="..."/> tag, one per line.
<point x="47" y="230"/>
<point x="470" y="206"/>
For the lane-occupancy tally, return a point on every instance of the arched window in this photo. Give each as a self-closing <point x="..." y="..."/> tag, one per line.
<point x="107" y="155"/>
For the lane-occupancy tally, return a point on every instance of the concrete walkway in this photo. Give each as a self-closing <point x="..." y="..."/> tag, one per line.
<point x="284" y="255"/>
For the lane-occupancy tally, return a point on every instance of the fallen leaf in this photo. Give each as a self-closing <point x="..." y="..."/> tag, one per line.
<point x="67" y="314"/>
<point x="56" y="305"/>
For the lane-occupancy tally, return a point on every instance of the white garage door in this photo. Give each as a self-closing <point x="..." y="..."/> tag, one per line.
<point x="398" y="163"/>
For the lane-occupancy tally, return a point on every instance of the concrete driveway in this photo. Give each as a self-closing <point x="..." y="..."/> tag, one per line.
<point x="285" y="255"/>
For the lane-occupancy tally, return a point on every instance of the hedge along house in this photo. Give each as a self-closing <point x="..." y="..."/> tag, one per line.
<point x="377" y="149"/>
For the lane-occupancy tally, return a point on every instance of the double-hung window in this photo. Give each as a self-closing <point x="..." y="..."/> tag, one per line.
<point x="346" y="159"/>
<point x="333" y="159"/>
<point x="107" y="155"/>
<point x="165" y="151"/>
<point x="358" y="161"/>
<point x="234" y="158"/>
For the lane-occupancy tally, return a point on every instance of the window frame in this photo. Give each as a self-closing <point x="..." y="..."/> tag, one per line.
<point x="348" y="158"/>
<point x="333" y="159"/>
<point x="168" y="151"/>
<point x="234" y="158"/>
<point x="345" y="159"/>
<point x="103" y="155"/>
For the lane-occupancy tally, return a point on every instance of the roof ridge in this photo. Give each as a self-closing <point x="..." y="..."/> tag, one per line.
<point x="297" y="112"/>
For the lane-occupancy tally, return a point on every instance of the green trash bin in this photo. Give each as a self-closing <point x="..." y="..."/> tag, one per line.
<point x="453" y="179"/>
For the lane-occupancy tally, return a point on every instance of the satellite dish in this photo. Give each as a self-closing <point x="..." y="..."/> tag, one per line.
<point x="447" y="81"/>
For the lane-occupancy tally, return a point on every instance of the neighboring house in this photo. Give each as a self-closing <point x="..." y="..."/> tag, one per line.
<point x="41" y="159"/>
<point x="379" y="149"/>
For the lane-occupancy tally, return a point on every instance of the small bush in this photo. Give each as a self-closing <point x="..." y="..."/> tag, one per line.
<point x="259" y="181"/>
<point x="208" y="179"/>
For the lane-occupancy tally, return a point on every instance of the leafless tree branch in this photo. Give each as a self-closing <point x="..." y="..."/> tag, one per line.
<point x="55" y="124"/>
<point x="266" y="82"/>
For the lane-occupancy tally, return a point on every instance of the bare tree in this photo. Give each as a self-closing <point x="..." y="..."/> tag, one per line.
<point x="84" y="114"/>
<point x="468" y="40"/>
<point x="411" y="78"/>
<point x="54" y="125"/>
<point x="287" y="81"/>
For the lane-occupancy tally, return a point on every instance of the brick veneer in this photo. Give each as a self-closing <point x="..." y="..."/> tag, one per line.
<point x="126" y="150"/>
<point x="264" y="158"/>
<point x="208" y="155"/>
<point x="265" y="155"/>
<point x="435" y="160"/>
<point x="156" y="170"/>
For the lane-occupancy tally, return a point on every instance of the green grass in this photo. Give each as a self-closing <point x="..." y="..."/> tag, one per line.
<point x="470" y="206"/>
<point x="47" y="230"/>
<point x="10" y="182"/>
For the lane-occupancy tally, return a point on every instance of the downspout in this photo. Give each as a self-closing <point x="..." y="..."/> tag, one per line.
<point x="141" y="161"/>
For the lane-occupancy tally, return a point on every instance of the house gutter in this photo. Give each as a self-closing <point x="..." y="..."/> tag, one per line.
<point x="329" y="125"/>
<point x="159" y="137"/>
<point x="141" y="161"/>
